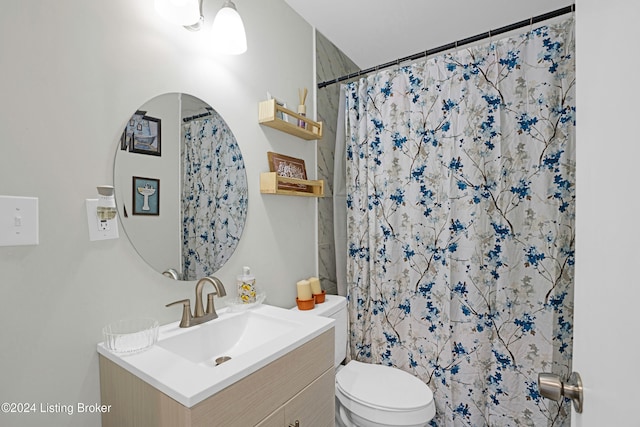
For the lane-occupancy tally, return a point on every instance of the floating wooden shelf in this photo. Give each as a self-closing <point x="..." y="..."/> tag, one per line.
<point x="268" y="115"/>
<point x="271" y="183"/>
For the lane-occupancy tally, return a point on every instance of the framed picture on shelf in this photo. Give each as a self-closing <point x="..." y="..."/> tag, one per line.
<point x="146" y="196"/>
<point x="289" y="167"/>
<point x="145" y="135"/>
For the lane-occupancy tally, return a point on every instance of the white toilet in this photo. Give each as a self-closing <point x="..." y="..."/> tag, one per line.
<point x="370" y="395"/>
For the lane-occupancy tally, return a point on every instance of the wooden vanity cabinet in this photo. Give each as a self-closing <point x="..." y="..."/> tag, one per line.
<point x="299" y="386"/>
<point x="310" y="407"/>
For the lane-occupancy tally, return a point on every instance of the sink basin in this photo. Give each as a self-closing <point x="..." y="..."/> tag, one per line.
<point x="228" y="336"/>
<point x="191" y="364"/>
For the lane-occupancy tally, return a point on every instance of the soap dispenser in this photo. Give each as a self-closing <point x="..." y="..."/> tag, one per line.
<point x="246" y="286"/>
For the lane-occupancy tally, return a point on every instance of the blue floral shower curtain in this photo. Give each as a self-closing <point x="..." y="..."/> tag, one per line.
<point x="210" y="158"/>
<point x="460" y="212"/>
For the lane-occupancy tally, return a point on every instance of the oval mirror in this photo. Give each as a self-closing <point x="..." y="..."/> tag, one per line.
<point x="180" y="186"/>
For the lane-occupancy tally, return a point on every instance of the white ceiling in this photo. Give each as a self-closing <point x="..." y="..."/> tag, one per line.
<point x="374" y="32"/>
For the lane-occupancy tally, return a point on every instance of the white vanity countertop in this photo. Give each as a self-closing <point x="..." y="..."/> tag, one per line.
<point x="189" y="382"/>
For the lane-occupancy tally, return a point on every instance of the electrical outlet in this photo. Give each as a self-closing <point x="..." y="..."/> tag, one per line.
<point x="100" y="229"/>
<point x="104" y="225"/>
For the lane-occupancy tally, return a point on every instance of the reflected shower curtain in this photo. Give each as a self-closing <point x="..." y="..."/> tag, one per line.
<point x="460" y="211"/>
<point x="209" y="153"/>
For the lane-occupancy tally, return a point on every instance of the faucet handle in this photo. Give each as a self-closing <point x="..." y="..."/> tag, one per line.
<point x="210" y="307"/>
<point x="185" y="321"/>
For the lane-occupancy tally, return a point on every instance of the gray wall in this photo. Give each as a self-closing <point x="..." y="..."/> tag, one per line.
<point x="72" y="74"/>
<point x="330" y="64"/>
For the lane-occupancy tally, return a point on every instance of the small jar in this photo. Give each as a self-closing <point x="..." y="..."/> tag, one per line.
<point x="302" y="110"/>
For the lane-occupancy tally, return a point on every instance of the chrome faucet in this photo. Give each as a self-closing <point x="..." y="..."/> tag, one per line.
<point x="200" y="315"/>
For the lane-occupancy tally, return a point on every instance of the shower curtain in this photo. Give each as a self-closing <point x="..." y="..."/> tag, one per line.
<point x="210" y="156"/>
<point x="460" y="176"/>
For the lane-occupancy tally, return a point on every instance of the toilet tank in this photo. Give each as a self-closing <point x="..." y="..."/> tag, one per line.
<point x="335" y="307"/>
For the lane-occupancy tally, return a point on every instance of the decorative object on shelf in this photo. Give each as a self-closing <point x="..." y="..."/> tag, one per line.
<point x="283" y="105"/>
<point x="288" y="167"/>
<point x="270" y="181"/>
<point x="268" y="112"/>
<point x="146" y="196"/>
<point x="302" y="108"/>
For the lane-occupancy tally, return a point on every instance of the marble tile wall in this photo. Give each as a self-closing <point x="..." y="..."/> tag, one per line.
<point x="330" y="64"/>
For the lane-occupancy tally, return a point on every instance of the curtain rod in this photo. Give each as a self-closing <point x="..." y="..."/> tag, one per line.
<point x="197" y="116"/>
<point x="455" y="45"/>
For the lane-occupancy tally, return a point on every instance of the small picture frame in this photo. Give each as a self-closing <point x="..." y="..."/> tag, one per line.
<point x="279" y="114"/>
<point x="145" y="134"/>
<point x="146" y="196"/>
<point x="289" y="167"/>
<point x="125" y="141"/>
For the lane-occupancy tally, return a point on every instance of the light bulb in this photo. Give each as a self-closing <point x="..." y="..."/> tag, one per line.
<point x="228" y="31"/>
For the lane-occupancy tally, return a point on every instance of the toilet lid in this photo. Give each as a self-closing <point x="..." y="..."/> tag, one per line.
<point x="383" y="387"/>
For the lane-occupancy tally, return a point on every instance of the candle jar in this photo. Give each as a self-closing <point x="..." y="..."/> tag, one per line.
<point x="305" y="304"/>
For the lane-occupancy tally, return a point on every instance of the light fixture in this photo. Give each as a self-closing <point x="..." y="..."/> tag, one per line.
<point x="228" y="35"/>
<point x="180" y="12"/>
<point x="228" y="31"/>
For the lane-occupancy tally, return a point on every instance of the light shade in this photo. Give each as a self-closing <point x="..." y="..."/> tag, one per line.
<point x="180" y="12"/>
<point x="228" y="31"/>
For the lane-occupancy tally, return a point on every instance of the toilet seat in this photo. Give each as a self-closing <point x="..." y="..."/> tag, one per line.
<point x="383" y="394"/>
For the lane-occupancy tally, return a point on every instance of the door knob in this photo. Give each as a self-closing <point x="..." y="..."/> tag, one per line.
<point x="552" y="387"/>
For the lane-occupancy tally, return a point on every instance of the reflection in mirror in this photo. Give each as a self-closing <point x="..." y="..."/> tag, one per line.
<point x="194" y="219"/>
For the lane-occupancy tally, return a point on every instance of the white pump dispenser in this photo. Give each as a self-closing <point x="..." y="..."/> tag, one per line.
<point x="246" y="286"/>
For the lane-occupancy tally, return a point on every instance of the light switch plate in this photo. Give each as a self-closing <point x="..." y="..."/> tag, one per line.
<point x="100" y="230"/>
<point x="18" y="221"/>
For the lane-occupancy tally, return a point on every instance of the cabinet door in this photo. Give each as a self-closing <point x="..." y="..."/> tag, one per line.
<point x="274" y="420"/>
<point x="315" y="405"/>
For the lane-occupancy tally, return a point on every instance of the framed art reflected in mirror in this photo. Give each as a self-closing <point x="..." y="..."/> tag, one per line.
<point x="142" y="135"/>
<point x="146" y="196"/>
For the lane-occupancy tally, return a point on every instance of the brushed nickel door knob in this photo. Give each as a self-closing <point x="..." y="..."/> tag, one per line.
<point x="552" y="387"/>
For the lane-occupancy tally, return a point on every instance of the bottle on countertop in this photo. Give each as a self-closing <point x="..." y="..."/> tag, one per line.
<point x="246" y="286"/>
